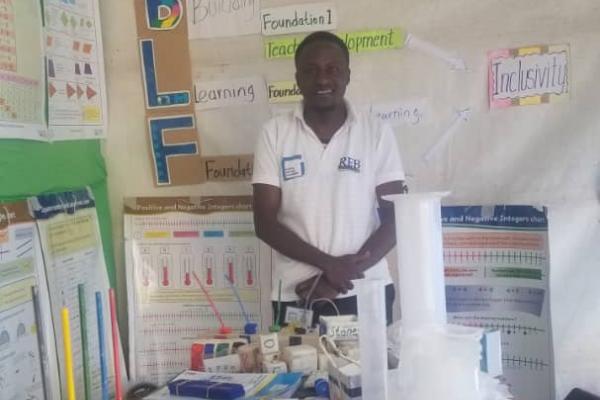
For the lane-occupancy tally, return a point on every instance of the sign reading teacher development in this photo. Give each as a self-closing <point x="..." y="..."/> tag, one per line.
<point x="357" y="42"/>
<point x="528" y="75"/>
<point x="298" y="18"/>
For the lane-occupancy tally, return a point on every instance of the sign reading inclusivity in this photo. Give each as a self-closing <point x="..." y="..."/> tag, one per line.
<point x="298" y="18"/>
<point x="357" y="42"/>
<point x="528" y="75"/>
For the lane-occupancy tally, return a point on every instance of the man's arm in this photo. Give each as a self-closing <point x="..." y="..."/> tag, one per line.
<point x="384" y="238"/>
<point x="339" y="271"/>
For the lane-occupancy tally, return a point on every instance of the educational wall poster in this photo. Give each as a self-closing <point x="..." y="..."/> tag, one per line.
<point x="410" y="113"/>
<point x="22" y="351"/>
<point x="528" y="75"/>
<point x="222" y="18"/>
<point x="357" y="42"/>
<point x="497" y="277"/>
<point x="231" y="92"/>
<point x="22" y="91"/>
<point x="75" y="70"/>
<point x="298" y="18"/>
<point x="72" y="248"/>
<point x="167" y="80"/>
<point x="181" y="254"/>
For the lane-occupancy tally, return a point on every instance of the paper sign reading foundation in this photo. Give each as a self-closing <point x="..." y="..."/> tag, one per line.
<point x="528" y="75"/>
<point x="298" y="18"/>
<point x="226" y="93"/>
<point x="222" y="18"/>
<point x="284" y="92"/>
<point x="357" y="42"/>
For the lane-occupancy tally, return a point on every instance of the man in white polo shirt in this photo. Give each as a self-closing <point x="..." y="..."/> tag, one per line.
<point x="319" y="175"/>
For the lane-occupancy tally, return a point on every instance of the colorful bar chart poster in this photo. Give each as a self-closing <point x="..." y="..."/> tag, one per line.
<point x="176" y="249"/>
<point x="22" y="91"/>
<point x="72" y="248"/>
<point x="75" y="70"/>
<point x="497" y="277"/>
<point x="22" y="353"/>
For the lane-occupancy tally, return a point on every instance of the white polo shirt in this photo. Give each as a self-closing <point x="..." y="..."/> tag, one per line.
<point x="327" y="191"/>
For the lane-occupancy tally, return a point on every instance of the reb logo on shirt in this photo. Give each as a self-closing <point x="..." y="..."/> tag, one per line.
<point x="349" y="164"/>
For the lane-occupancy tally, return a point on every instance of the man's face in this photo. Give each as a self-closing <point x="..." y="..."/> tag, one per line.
<point x="322" y="75"/>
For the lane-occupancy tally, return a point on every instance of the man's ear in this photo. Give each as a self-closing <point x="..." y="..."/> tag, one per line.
<point x="348" y="80"/>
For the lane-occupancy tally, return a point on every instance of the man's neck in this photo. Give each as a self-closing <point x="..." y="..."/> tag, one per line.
<point x="325" y="123"/>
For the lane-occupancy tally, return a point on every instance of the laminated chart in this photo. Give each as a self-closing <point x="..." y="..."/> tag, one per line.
<point x="21" y="351"/>
<point x="22" y="92"/>
<point x="75" y="69"/>
<point x="176" y="248"/>
<point x="496" y="263"/>
<point x="73" y="254"/>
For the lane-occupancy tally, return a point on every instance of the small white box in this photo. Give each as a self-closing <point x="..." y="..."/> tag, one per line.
<point x="301" y="358"/>
<point x="269" y="344"/>
<point x="345" y="380"/>
<point x="272" y="367"/>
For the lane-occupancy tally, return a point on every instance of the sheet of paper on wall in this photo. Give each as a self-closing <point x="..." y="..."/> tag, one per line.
<point x="75" y="70"/>
<point x="528" y="75"/>
<point x="410" y="113"/>
<point x="298" y="18"/>
<point x="230" y="92"/>
<point x="22" y="91"/>
<point x="497" y="271"/>
<point x="222" y="18"/>
<point x="175" y="247"/>
<point x="73" y="254"/>
<point x="22" y="353"/>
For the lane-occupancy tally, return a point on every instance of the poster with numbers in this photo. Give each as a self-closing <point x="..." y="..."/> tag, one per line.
<point x="497" y="270"/>
<point x="178" y="249"/>
<point x="22" y="81"/>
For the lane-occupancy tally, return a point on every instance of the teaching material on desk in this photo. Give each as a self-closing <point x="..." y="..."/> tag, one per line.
<point x="528" y="75"/>
<point x="211" y="19"/>
<point x="255" y="386"/>
<point x="27" y="357"/>
<point x="114" y="328"/>
<point x="77" y="101"/>
<point x="68" y="349"/>
<point x="84" y="341"/>
<point x="497" y="277"/>
<point x="102" y="347"/>
<point x="298" y="18"/>
<point x="432" y="350"/>
<point x="171" y="241"/>
<point x="373" y="346"/>
<point x="68" y="227"/>
<point x="167" y="81"/>
<point x="22" y="92"/>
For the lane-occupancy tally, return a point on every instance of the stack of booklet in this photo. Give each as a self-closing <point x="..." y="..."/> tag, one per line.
<point x="193" y="385"/>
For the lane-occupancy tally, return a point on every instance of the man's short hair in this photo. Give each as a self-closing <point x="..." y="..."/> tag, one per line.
<point x="321" y="36"/>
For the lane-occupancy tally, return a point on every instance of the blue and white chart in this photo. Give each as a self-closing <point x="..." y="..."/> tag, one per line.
<point x="497" y="266"/>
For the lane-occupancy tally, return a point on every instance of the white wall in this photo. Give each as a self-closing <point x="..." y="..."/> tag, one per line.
<point x="547" y="154"/>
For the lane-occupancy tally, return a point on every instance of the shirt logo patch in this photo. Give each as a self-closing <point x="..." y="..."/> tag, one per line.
<point x="292" y="167"/>
<point x="349" y="164"/>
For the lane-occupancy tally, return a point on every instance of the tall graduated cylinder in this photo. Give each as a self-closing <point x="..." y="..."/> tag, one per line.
<point x="420" y="259"/>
